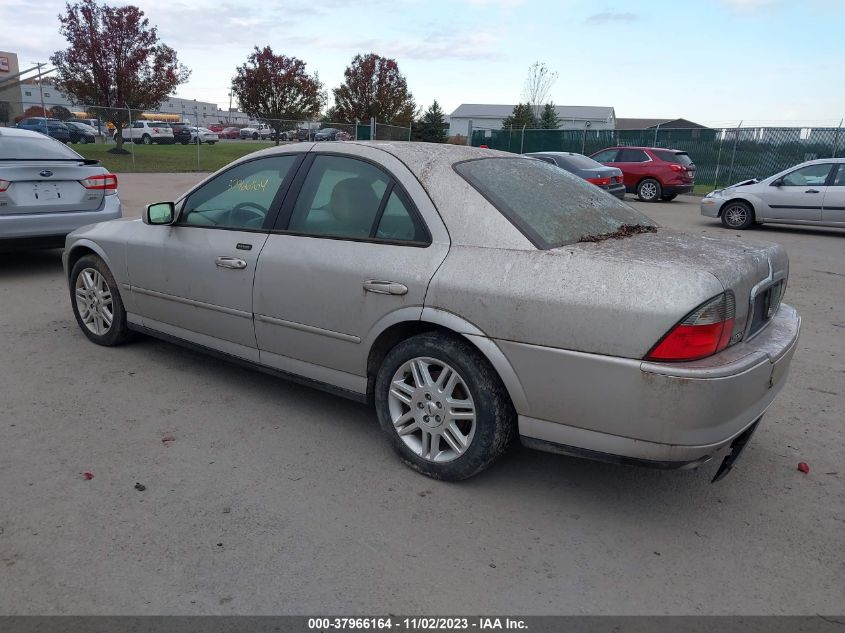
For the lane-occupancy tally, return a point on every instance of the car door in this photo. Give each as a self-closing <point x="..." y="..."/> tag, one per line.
<point x="833" y="207"/>
<point x="635" y="165"/>
<point x="356" y="245"/>
<point x="193" y="279"/>
<point x="798" y="195"/>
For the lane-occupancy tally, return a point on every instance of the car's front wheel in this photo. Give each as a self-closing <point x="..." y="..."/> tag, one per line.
<point x="443" y="406"/>
<point x="147" y="139"/>
<point x="649" y="190"/>
<point x="737" y="215"/>
<point x="96" y="302"/>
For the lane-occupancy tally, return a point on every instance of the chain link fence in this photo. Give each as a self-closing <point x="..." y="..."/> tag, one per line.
<point x="162" y="141"/>
<point x="722" y="155"/>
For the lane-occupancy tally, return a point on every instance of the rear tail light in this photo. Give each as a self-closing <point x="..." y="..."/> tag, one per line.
<point x="599" y="181"/>
<point x="674" y="167"/>
<point x="4" y="184"/>
<point x="617" y="179"/>
<point x="104" y="182"/>
<point x="703" y="332"/>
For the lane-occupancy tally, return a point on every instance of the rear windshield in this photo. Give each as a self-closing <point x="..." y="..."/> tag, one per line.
<point x="551" y="207"/>
<point x="681" y="158"/>
<point x="34" y="148"/>
<point x="578" y="161"/>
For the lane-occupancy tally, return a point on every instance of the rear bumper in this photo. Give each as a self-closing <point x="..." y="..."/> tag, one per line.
<point x="617" y="190"/>
<point x="678" y="190"/>
<point x="49" y="227"/>
<point x="671" y="414"/>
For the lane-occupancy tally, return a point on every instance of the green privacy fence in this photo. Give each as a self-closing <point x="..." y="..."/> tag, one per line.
<point x="722" y="155"/>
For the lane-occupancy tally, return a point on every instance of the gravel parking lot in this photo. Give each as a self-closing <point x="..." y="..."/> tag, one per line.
<point x="265" y="497"/>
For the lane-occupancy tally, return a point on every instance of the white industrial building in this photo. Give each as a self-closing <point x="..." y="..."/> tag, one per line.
<point x="485" y="116"/>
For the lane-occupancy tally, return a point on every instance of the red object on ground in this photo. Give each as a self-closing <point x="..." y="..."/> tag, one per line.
<point x="802" y="466"/>
<point x="483" y="147"/>
<point x="88" y="476"/>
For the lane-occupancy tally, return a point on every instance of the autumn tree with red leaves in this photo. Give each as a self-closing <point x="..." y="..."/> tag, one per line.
<point x="373" y="87"/>
<point x="276" y="87"/>
<point x="114" y="60"/>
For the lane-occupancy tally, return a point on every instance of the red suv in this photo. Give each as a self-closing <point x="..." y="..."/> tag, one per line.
<point x="653" y="173"/>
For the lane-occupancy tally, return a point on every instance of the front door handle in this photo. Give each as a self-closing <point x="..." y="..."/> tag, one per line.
<point x="230" y="262"/>
<point x="812" y="191"/>
<point x="385" y="287"/>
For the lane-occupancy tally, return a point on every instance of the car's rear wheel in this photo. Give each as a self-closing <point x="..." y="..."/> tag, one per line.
<point x="147" y="139"/>
<point x="737" y="215"/>
<point x="649" y="190"/>
<point x="443" y="406"/>
<point x="254" y="136"/>
<point x="96" y="302"/>
<point x="668" y="197"/>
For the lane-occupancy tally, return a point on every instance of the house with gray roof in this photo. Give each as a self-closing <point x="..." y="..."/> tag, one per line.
<point x="486" y="116"/>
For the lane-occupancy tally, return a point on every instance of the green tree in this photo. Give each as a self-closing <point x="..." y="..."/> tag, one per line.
<point x="373" y="87"/>
<point x="431" y="126"/>
<point x="548" y="118"/>
<point x="521" y="117"/>
<point x="5" y="112"/>
<point x="62" y="113"/>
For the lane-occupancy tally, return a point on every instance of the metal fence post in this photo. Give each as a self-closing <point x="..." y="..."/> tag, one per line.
<point x="522" y="139"/>
<point x="372" y="128"/>
<point x="656" y="130"/>
<point x="197" y="126"/>
<point x="131" y="141"/>
<point x="584" y="139"/>
<point x="836" y="139"/>
<point x="733" y="155"/>
<point x="722" y="134"/>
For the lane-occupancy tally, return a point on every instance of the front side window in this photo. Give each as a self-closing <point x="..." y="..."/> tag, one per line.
<point x="550" y="206"/>
<point x="606" y="156"/>
<point x="239" y="198"/>
<point x="349" y="198"/>
<point x="809" y="175"/>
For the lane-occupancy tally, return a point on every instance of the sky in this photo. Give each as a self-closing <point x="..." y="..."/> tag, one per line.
<point x="711" y="61"/>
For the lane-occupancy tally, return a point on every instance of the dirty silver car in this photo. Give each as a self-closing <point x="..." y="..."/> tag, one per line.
<point x="472" y="296"/>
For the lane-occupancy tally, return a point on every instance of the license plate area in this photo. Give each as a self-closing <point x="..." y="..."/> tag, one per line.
<point x="44" y="192"/>
<point x="764" y="307"/>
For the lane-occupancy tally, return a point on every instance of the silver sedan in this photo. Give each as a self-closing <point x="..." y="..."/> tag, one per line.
<point x="810" y="193"/>
<point x="47" y="190"/>
<point x="472" y="296"/>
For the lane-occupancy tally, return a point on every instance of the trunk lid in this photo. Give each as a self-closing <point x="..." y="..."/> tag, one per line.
<point x="46" y="187"/>
<point x="747" y="268"/>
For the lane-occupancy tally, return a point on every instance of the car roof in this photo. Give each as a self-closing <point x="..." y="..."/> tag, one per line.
<point x="16" y="131"/>
<point x="555" y="154"/>
<point x="662" y="149"/>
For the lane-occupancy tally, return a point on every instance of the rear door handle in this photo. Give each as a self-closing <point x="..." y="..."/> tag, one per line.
<point x="230" y="262"/>
<point x="812" y="191"/>
<point x="385" y="287"/>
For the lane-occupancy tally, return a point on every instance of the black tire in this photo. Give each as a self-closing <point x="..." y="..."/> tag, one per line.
<point x="118" y="333"/>
<point x="495" y="417"/>
<point x="184" y="142"/>
<point x="668" y="197"/>
<point x="649" y="190"/>
<point x="211" y="142"/>
<point x="255" y="136"/>
<point x="737" y="215"/>
<point x="147" y="139"/>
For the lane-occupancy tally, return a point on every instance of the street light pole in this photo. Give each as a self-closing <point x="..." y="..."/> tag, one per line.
<point x="41" y="90"/>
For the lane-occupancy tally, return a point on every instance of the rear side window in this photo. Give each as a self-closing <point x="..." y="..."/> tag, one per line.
<point x="550" y="206"/>
<point x="632" y="156"/>
<point x="578" y="161"/>
<point x="680" y="158"/>
<point x="34" y="148"/>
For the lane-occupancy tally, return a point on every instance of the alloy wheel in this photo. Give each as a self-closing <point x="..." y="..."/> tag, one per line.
<point x="736" y="215"/>
<point x="648" y="190"/>
<point x="94" y="301"/>
<point x="432" y="409"/>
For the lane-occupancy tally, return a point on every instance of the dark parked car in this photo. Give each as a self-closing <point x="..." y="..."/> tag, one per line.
<point x="327" y="134"/>
<point x="181" y="133"/>
<point x="81" y="133"/>
<point x="653" y="173"/>
<point x="50" y="127"/>
<point x="607" y="178"/>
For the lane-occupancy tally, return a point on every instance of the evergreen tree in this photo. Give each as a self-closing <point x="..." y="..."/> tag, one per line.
<point x="430" y="128"/>
<point x="548" y="118"/>
<point x="522" y="116"/>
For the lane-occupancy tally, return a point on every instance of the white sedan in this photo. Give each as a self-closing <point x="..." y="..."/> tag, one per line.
<point x="205" y="135"/>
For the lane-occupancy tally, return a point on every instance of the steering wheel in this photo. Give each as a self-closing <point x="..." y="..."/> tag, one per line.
<point x="241" y="214"/>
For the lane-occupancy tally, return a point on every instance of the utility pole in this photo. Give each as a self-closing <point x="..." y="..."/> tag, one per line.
<point x="41" y="90"/>
<point x="229" y="113"/>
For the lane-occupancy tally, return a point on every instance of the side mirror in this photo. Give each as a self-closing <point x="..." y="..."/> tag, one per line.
<point x="777" y="183"/>
<point x="160" y="213"/>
